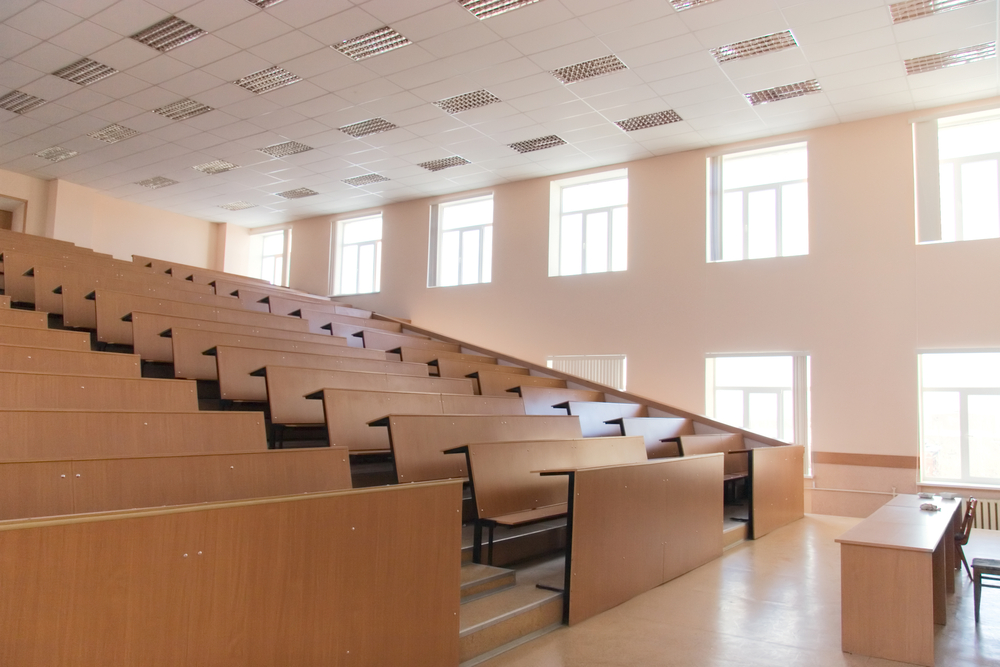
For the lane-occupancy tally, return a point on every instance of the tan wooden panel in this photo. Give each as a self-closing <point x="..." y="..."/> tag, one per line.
<point x="456" y="368"/>
<point x="152" y="346"/>
<point x="113" y="306"/>
<point x="696" y="445"/>
<point x="31" y="435"/>
<point x="385" y="340"/>
<point x="4" y="302"/>
<point x="189" y="346"/>
<point x="37" y="391"/>
<point x="654" y="430"/>
<point x="194" y="274"/>
<point x="503" y="480"/>
<point x="454" y="404"/>
<point x="287" y="388"/>
<point x="19" y="279"/>
<point x="51" y="338"/>
<point x="256" y="293"/>
<point x="540" y="400"/>
<point x="776" y="493"/>
<point x="28" y="359"/>
<point x="235" y="365"/>
<point x="260" y="585"/>
<point x="497" y="384"/>
<point x="418" y="441"/>
<point x="422" y="356"/>
<point x="627" y="518"/>
<point x="34" y="319"/>
<point x="328" y="314"/>
<point x="593" y="414"/>
<point x="35" y="488"/>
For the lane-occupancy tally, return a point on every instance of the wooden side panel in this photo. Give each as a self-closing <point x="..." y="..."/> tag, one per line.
<point x="348" y="413"/>
<point x="418" y="441"/>
<point x="696" y="445"/>
<point x="287" y="388"/>
<point x="539" y="400"/>
<point x="654" y="429"/>
<point x="432" y="384"/>
<point x="329" y="314"/>
<point x="204" y="276"/>
<point x="32" y="435"/>
<point x="384" y="340"/>
<point x="19" y="279"/>
<point x="35" y="488"/>
<point x="625" y="522"/>
<point x="776" y="495"/>
<point x="456" y="368"/>
<point x="422" y="356"/>
<point x="43" y="360"/>
<point x="51" y="338"/>
<point x="593" y="414"/>
<point x="4" y="302"/>
<point x="24" y="318"/>
<point x="454" y="404"/>
<point x="498" y="384"/>
<point x="37" y="391"/>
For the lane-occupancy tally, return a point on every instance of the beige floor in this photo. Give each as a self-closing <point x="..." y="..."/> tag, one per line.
<point x="775" y="601"/>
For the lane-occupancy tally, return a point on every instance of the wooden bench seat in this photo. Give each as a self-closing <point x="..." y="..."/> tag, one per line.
<point x="28" y="359"/>
<point x="418" y="442"/>
<point x="661" y="434"/>
<point x="543" y="400"/>
<point x="594" y="415"/>
<point x="385" y="340"/>
<point x="498" y="383"/>
<point x="290" y="390"/>
<point x="19" y="277"/>
<point x="50" y="338"/>
<point x="456" y="368"/>
<point x="30" y="391"/>
<point x="422" y="356"/>
<point x="729" y="444"/>
<point x="256" y="296"/>
<point x="30" y="489"/>
<point x="348" y="411"/>
<point x="32" y="319"/>
<point x="360" y="323"/>
<point x="195" y="274"/>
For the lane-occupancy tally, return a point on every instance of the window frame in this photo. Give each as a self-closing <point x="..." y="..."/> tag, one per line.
<point x="437" y="234"/>
<point x="338" y="287"/>
<point x="286" y="243"/>
<point x="556" y="220"/>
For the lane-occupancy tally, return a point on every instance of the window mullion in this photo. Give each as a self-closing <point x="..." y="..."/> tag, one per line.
<point x="779" y="246"/>
<point x="959" y="209"/>
<point x="746" y="223"/>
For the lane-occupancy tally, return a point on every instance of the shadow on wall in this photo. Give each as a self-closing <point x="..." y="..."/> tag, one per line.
<point x="12" y="212"/>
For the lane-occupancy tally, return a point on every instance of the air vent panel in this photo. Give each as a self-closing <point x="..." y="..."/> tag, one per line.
<point x="183" y="109"/>
<point x="963" y="56"/>
<point x="539" y="144"/>
<point x="589" y="69"/>
<point x="372" y="43"/>
<point x="56" y="154"/>
<point x="237" y="206"/>
<point x="757" y="46"/>
<point x="681" y="5"/>
<point x="297" y="193"/>
<point x="156" y="182"/>
<point x="484" y="9"/>
<point x="917" y="9"/>
<point x="365" y="179"/>
<point x="367" y="127"/>
<point x="467" y="101"/>
<point x="779" y="93"/>
<point x="285" y="149"/>
<point x="216" y="167"/>
<point x="267" y="79"/>
<point x="85" y="72"/>
<point x="264" y="4"/>
<point x="649" y="120"/>
<point x="168" y="34"/>
<point x="114" y="133"/>
<point x="19" y="102"/>
<point x="444" y="163"/>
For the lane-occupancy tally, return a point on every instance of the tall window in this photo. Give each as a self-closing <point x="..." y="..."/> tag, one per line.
<point x="588" y="231"/>
<point x="461" y="242"/>
<point x="269" y="256"/>
<point x="759" y="204"/>
<point x="606" y="369"/>
<point x="957" y="177"/>
<point x="960" y="417"/>
<point x="766" y="394"/>
<point x="359" y="244"/>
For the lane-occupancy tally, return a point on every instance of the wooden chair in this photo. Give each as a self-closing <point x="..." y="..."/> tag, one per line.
<point x="962" y="536"/>
<point x="986" y="569"/>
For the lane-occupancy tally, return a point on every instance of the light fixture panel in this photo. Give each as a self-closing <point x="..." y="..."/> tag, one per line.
<point x="267" y="79"/>
<point x="113" y="133"/>
<point x="19" y="102"/>
<point x="365" y="179"/>
<point x="237" y="206"/>
<point x="589" y="69"/>
<point x="484" y="9"/>
<point x="963" y="56"/>
<point x="168" y="34"/>
<point x="183" y="109"/>
<point x="918" y="9"/>
<point x="297" y="193"/>
<point x="367" y="127"/>
<point x="156" y="182"/>
<point x="285" y="149"/>
<point x="372" y="43"/>
<point x="649" y="120"/>
<point x="85" y="72"/>
<point x="778" y="41"/>
<point x="467" y="101"/>
<point x="444" y="163"/>
<point x="56" y="154"/>
<point x="786" y="92"/>
<point x="538" y="144"/>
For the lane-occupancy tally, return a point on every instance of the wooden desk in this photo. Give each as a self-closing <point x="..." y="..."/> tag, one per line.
<point x="894" y="574"/>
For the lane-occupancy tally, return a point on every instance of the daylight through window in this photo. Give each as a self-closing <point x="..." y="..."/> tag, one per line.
<point x="360" y="252"/>
<point x="589" y="227"/>
<point x="462" y="242"/>
<point x="269" y="256"/>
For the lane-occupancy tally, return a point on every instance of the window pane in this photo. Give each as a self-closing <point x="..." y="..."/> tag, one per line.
<point x="732" y="226"/>
<point x="466" y="214"/>
<point x="787" y="163"/>
<point x="980" y="214"/>
<point x="595" y="195"/>
<point x="787" y="416"/>
<point x="274" y="244"/>
<point x="729" y="406"/>
<point x="958" y="137"/>
<point x="448" y="259"/>
<point x="487" y="253"/>
<point x="763" y="413"/>
<point x="948" y="231"/>
<point x="278" y="277"/>
<point x="984" y="436"/>
<point x="359" y="231"/>
<point x="762" y="224"/>
<point x="470" y="257"/>
<point x="619" y="239"/>
<point x="761" y="371"/>
<point x="571" y="242"/>
<point x="942" y="434"/>
<point x="795" y="219"/>
<point x="378" y="266"/>
<point x="349" y="270"/>
<point x="267" y="269"/>
<point x="960" y="369"/>
<point x="597" y="242"/>
<point x="366" y="268"/>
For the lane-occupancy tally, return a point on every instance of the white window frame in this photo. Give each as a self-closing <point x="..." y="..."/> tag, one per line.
<point x="715" y="200"/>
<point x="556" y="216"/>
<point x="436" y="235"/>
<point x="340" y="249"/>
<point x="611" y="370"/>
<point x="257" y="261"/>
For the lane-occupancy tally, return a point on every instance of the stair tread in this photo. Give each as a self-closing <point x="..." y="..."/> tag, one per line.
<point x="473" y="573"/>
<point x="506" y="603"/>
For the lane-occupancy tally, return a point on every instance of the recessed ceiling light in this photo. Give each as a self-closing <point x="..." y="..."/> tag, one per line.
<point x="264" y="4"/>
<point x="237" y="206"/>
<point x="19" y="102"/>
<point x="372" y="43"/>
<point x="936" y="61"/>
<point x="749" y="48"/>
<point x="267" y="79"/>
<point x="589" y="69"/>
<point x="444" y="163"/>
<point x="915" y="9"/>
<point x="649" y="120"/>
<point x="297" y="193"/>
<point x="541" y="143"/>
<point x="466" y="101"/>
<point x="156" y="182"/>
<point x="365" y="179"/>
<point x="85" y="72"/>
<point x="113" y="133"/>
<point x="285" y="149"/>
<point x="366" y="127"/>
<point x="779" y="93"/>
<point x="484" y="9"/>
<point x="681" y="5"/>
<point x="56" y="154"/>
<point x="216" y="167"/>
<point x="168" y="34"/>
<point x="183" y="109"/>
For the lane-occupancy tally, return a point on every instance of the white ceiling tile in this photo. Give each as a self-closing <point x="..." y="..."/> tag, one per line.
<point x="237" y="66"/>
<point x="159" y="69"/>
<point x="192" y="83"/>
<point x="867" y="90"/>
<point x="746" y="28"/>
<point x="212" y="15"/>
<point x="152" y="97"/>
<point x="204" y="50"/>
<point x="302" y="14"/>
<point x="872" y="105"/>
<point x="528" y="18"/>
<point x="52" y="114"/>
<point x="860" y="41"/>
<point x="459" y="40"/>
<point x="225" y="95"/>
<point x="369" y="91"/>
<point x="983" y="70"/>
<point x="318" y="106"/>
<point x="767" y="62"/>
<point x="656" y="52"/>
<point x="815" y="11"/>
<point x="856" y="61"/>
<point x="43" y="20"/>
<point x="447" y="16"/>
<point x="286" y="47"/>
<point x="947" y="41"/>
<point x="13" y="41"/>
<point x="85" y="99"/>
<point x="318" y="62"/>
<point x="624" y="15"/>
<point x="123" y="54"/>
<point x="295" y="93"/>
<point x="85" y="38"/>
<point x="767" y="80"/>
<point x="844" y="26"/>
<point x="571" y="54"/>
<point x="981" y="13"/>
<point x="14" y="74"/>
<point x="118" y="111"/>
<point x="262" y="112"/>
<point x="172" y="6"/>
<point x="622" y="80"/>
<point x="344" y="77"/>
<point x="567" y="110"/>
<point x="345" y="25"/>
<point x="255" y="29"/>
<point x="698" y="61"/>
<point x="49" y="88"/>
<point x="119" y="86"/>
<point x="127" y="17"/>
<point x="390" y="104"/>
<point x="890" y="73"/>
<point x="719" y="13"/>
<point x="10" y="8"/>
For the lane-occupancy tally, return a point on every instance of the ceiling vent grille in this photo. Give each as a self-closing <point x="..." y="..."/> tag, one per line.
<point x="367" y="127"/>
<point x="681" y="5"/>
<point x="917" y="9"/>
<point x="539" y="144"/>
<point x="444" y="163"/>
<point x="649" y="120"/>
<point x="237" y="205"/>
<point x="297" y="193"/>
<point x="114" y="133"/>
<point x="484" y="9"/>
<point x="215" y="167"/>
<point x="264" y="4"/>
<point x="372" y="43"/>
<point x="56" y="154"/>
<point x="589" y="69"/>
<point x="85" y="72"/>
<point x="19" y="102"/>
<point x="156" y="182"/>
<point x="168" y="34"/>
<point x="779" y="93"/>
<point x="968" y="54"/>
<point x="757" y="46"/>
<point x="267" y="79"/>
<point x="183" y="109"/>
<point x="365" y="179"/>
<point x="285" y="149"/>
<point x="467" y="101"/>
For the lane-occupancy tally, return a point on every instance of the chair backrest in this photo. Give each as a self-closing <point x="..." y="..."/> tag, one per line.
<point x="970" y="516"/>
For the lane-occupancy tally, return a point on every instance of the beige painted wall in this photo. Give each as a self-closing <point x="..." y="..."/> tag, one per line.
<point x="35" y="192"/>
<point x="309" y="265"/>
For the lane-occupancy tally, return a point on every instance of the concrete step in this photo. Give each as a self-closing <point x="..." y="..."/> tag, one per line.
<point x="482" y="580"/>
<point x="505" y="619"/>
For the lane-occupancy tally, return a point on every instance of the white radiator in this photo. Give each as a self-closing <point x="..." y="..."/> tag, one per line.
<point x="987" y="514"/>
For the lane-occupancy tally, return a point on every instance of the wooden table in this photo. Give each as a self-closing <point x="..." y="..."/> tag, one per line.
<point x="897" y="567"/>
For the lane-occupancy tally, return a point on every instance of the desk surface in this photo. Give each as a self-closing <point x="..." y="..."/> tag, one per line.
<point x="901" y="524"/>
